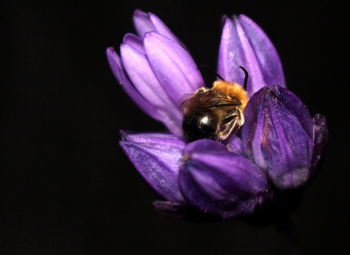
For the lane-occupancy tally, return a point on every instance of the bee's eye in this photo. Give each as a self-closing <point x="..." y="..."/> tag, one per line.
<point x="200" y="124"/>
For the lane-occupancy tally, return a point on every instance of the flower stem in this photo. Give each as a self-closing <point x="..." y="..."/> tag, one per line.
<point x="287" y="231"/>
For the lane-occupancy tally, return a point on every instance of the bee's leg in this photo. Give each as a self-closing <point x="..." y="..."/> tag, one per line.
<point x="234" y="120"/>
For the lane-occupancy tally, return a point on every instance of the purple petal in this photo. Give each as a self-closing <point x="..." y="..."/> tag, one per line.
<point x="235" y="145"/>
<point x="221" y="182"/>
<point x="320" y="139"/>
<point x="265" y="52"/>
<point x="157" y="157"/>
<point x="117" y="69"/>
<point x="276" y="138"/>
<point x="173" y="66"/>
<point x="296" y="107"/>
<point x="149" y="22"/>
<point x="162" y="29"/>
<point x="142" y="23"/>
<point x="252" y="130"/>
<point x="141" y="75"/>
<point x="204" y="145"/>
<point x="134" y="41"/>
<point x="244" y="43"/>
<point x="144" y="80"/>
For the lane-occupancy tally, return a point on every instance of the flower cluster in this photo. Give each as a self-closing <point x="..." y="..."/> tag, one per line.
<point x="278" y="147"/>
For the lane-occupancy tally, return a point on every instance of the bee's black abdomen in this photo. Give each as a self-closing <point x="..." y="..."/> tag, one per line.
<point x="200" y="124"/>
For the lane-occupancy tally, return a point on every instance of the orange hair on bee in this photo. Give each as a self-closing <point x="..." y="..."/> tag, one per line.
<point x="233" y="90"/>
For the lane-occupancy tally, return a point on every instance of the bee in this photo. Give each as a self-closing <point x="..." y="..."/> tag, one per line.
<point x="215" y="113"/>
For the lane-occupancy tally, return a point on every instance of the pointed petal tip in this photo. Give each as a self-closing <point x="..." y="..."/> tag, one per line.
<point x="110" y="54"/>
<point x="115" y="64"/>
<point x="173" y="66"/>
<point x="110" y="51"/>
<point x="244" y="17"/>
<point x="245" y="43"/>
<point x="134" y="41"/>
<point x="128" y="36"/>
<point x="224" y="19"/>
<point x="124" y="134"/>
<point x="154" y="18"/>
<point x="139" y="12"/>
<point x="157" y="164"/>
<point x="142" y="22"/>
<point x="227" y="20"/>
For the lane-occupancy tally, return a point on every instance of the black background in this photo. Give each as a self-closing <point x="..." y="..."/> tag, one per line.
<point x="65" y="185"/>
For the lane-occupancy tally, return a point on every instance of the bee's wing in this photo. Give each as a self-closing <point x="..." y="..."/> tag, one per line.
<point x="221" y="101"/>
<point x="208" y="99"/>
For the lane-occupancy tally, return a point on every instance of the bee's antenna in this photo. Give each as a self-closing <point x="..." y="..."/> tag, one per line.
<point x="245" y="77"/>
<point x="211" y="69"/>
<point x="219" y="76"/>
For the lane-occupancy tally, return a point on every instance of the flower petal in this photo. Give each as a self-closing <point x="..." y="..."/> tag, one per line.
<point x="276" y="138"/>
<point x="162" y="29"/>
<point x="141" y="75"/>
<point x="173" y="66"/>
<point x="149" y="22"/>
<point x="244" y="43"/>
<point x="134" y="41"/>
<point x="157" y="157"/>
<point x="235" y="145"/>
<point x="205" y="146"/>
<point x="144" y="80"/>
<point x="221" y="182"/>
<point x="296" y="107"/>
<point x="320" y="139"/>
<point x="142" y="23"/>
<point x="117" y="69"/>
<point x="265" y="52"/>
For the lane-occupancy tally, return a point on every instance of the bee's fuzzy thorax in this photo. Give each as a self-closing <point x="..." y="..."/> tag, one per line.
<point x="233" y="90"/>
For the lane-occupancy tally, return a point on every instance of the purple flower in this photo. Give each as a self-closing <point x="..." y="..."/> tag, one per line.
<point x="278" y="147"/>
<point x="281" y="138"/>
